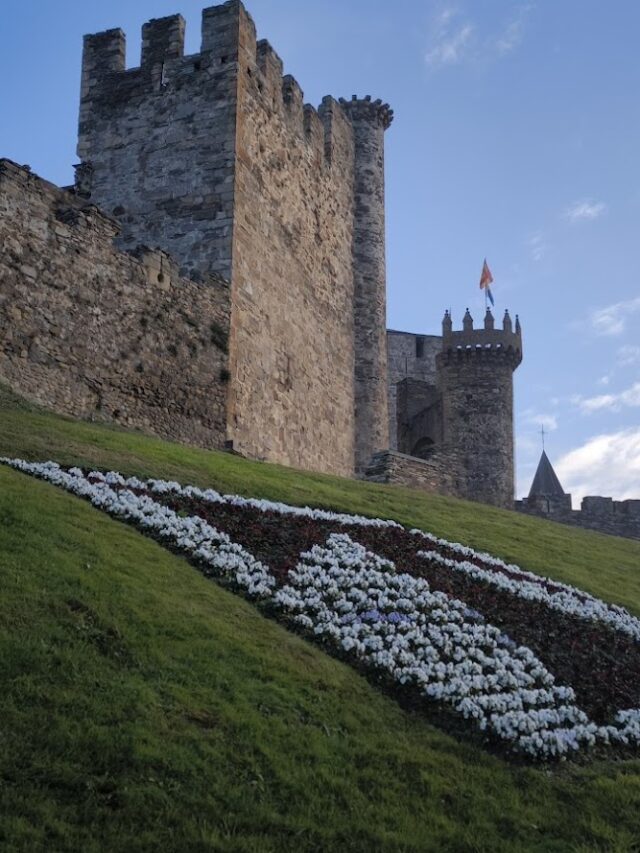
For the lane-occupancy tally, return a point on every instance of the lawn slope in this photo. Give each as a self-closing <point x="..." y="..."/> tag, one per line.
<point x="144" y="708"/>
<point x="606" y="566"/>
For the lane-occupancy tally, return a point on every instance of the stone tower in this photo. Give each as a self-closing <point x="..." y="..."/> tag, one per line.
<point x="370" y="119"/>
<point x="475" y="379"/>
<point x="216" y="159"/>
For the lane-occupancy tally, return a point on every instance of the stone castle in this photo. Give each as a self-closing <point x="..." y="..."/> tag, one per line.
<point x="216" y="275"/>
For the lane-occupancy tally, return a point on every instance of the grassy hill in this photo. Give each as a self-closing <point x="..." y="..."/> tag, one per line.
<point x="144" y="708"/>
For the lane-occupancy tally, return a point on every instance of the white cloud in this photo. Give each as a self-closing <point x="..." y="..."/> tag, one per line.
<point x="607" y="465"/>
<point x="611" y="320"/>
<point x="454" y="38"/>
<point x="450" y="40"/>
<point x="537" y="246"/>
<point x="513" y="33"/>
<point x="585" y="210"/>
<point x="604" y="380"/>
<point x="629" y="354"/>
<point x="630" y="397"/>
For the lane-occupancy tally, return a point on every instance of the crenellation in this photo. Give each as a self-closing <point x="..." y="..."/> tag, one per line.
<point x="503" y="340"/>
<point x="293" y="100"/>
<point x="314" y="130"/>
<point x="103" y="54"/>
<point x="229" y="33"/>
<point x="162" y="41"/>
<point x="271" y="68"/>
<point x="366" y="109"/>
<point x="338" y="134"/>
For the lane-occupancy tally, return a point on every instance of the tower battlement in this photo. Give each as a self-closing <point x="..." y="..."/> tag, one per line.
<point x="229" y="50"/>
<point x="359" y="109"/>
<point x="486" y="342"/>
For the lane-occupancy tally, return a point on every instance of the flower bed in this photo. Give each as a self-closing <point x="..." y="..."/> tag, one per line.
<point x="583" y="647"/>
<point x="338" y="579"/>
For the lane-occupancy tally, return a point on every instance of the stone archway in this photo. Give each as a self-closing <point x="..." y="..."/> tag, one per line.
<point x="423" y="448"/>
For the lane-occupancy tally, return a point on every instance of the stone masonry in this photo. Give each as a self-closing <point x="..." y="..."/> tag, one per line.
<point x="216" y="158"/>
<point x="451" y="405"/>
<point x="93" y="332"/>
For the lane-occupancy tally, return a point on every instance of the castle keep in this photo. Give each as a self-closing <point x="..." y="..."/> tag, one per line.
<point x="217" y="275"/>
<point x="216" y="159"/>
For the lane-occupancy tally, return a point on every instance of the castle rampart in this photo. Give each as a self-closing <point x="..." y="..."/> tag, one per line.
<point x="94" y="332"/>
<point x="602" y="514"/>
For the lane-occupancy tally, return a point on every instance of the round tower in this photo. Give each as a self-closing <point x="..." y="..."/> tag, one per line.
<point x="369" y="119"/>
<point x="475" y="378"/>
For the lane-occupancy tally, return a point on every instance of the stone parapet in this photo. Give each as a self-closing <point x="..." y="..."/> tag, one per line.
<point x="600" y="514"/>
<point x="438" y="474"/>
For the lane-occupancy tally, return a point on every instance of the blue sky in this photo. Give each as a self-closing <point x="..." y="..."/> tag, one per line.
<point x="516" y="137"/>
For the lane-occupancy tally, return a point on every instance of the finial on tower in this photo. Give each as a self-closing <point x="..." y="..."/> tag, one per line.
<point x="489" y="322"/>
<point x="447" y="324"/>
<point x="506" y="323"/>
<point x="467" y="322"/>
<point x="518" y="327"/>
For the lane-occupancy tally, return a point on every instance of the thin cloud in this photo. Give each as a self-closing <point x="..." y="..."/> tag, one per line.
<point x="607" y="465"/>
<point x="450" y="41"/>
<point x="537" y="247"/>
<point x="585" y="211"/>
<point x="612" y="319"/>
<point x="512" y="35"/>
<point x="629" y="398"/>
<point x="629" y="354"/>
<point x="455" y="38"/>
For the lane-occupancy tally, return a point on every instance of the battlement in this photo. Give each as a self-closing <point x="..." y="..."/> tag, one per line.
<point x="366" y="109"/>
<point x="229" y="50"/>
<point x="485" y="342"/>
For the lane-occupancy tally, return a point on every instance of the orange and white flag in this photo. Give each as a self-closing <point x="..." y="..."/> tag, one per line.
<point x="485" y="280"/>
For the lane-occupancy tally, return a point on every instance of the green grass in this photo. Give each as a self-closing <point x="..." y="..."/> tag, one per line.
<point x="144" y="708"/>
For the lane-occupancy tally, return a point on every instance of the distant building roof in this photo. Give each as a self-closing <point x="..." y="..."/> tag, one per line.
<point x="545" y="483"/>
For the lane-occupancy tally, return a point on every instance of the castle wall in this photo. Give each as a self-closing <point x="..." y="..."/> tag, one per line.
<point x="93" y="332"/>
<point x="292" y="338"/>
<point x="158" y="141"/>
<point x="603" y="515"/>
<point x="409" y="356"/>
<point x="439" y="474"/>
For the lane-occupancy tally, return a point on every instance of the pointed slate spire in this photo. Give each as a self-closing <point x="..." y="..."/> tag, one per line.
<point x="447" y="324"/>
<point x="467" y="321"/>
<point x="545" y="483"/>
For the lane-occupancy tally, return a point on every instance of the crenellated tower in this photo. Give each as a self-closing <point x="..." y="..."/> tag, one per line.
<point x="369" y="119"/>
<point x="217" y="159"/>
<point x="475" y="379"/>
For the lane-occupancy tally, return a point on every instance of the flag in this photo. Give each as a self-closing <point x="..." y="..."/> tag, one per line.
<point x="485" y="280"/>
